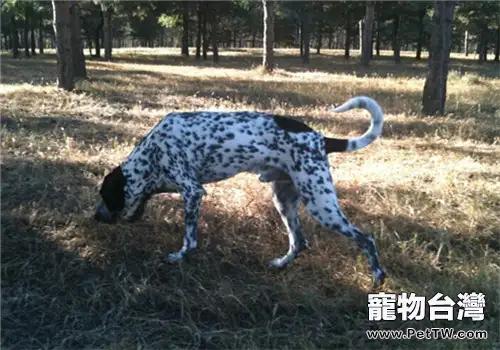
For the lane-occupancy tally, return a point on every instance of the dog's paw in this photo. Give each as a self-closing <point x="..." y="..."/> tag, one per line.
<point x="378" y="279"/>
<point x="175" y="257"/>
<point x="280" y="263"/>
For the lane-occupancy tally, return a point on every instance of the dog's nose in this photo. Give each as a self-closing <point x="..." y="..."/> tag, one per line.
<point x="102" y="214"/>
<point x="98" y="217"/>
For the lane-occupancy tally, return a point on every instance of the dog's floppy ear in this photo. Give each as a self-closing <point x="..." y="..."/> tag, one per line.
<point x="113" y="190"/>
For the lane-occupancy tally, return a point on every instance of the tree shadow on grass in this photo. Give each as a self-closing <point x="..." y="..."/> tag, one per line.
<point x="490" y="156"/>
<point x="28" y="183"/>
<point x="447" y="247"/>
<point x="447" y="128"/>
<point x="426" y="259"/>
<point x="41" y="70"/>
<point x="70" y="282"/>
<point x="263" y="94"/>
<point x="382" y="66"/>
<point x="269" y="95"/>
<point x="85" y="133"/>
<point x="155" y="92"/>
<point x="38" y="70"/>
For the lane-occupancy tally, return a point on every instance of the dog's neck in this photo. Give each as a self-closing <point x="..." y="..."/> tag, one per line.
<point x="140" y="183"/>
<point x="142" y="180"/>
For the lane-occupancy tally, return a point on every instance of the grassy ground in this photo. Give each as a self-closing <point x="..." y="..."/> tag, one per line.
<point x="429" y="190"/>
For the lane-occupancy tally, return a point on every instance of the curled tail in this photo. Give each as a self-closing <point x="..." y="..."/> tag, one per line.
<point x="374" y="131"/>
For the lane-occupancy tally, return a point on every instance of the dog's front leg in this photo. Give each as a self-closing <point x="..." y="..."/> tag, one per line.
<point x="192" y="203"/>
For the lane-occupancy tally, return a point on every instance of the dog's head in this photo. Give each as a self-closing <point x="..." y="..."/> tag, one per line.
<point x="113" y="204"/>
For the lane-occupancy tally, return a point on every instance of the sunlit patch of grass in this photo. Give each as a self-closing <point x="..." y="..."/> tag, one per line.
<point x="428" y="190"/>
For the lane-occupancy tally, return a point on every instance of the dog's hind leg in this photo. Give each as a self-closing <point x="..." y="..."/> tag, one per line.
<point x="318" y="195"/>
<point x="286" y="200"/>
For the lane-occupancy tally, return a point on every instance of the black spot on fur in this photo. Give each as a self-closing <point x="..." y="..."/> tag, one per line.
<point x="335" y="145"/>
<point x="214" y="147"/>
<point x="291" y="125"/>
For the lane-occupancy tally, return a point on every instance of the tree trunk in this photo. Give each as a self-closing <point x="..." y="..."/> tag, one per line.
<point x="330" y="39"/>
<point x="367" y="48"/>
<point x="33" y="41"/>
<point x="296" y="37"/>
<point x="458" y="46"/>
<point x="40" y="36"/>
<point x="21" y="41"/>
<point x="199" y="30"/>
<point x="89" y="44"/>
<point x="306" y="35"/>
<point x="420" y="38"/>
<point x="27" y="16"/>
<point x="301" y="36"/>
<point x="204" y="31"/>
<point x="162" y="38"/>
<point x="15" y="37"/>
<point x="497" y="45"/>
<point x="63" y="32"/>
<point x="347" y="34"/>
<point x="8" y="40"/>
<point x="185" y="29"/>
<point x="466" y="43"/>
<point x="377" y="39"/>
<point x="268" y="52"/>
<point x="396" y="42"/>
<point x="434" y="96"/>
<point x="319" y="42"/>
<point x="214" y="34"/>
<point x="483" y="45"/>
<point x="97" y="40"/>
<point x="76" y="41"/>
<point x="108" y="30"/>
<point x="360" y="35"/>
<point x="254" y="38"/>
<point x="97" y="34"/>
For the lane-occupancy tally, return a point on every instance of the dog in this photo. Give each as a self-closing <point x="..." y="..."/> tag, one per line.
<point x="186" y="150"/>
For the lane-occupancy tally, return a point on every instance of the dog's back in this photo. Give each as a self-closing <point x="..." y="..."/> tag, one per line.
<point x="219" y="145"/>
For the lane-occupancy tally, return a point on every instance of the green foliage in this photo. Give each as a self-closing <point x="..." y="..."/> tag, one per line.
<point x="145" y="20"/>
<point x="169" y="21"/>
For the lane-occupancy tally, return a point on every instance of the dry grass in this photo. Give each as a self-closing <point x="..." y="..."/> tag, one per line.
<point x="429" y="190"/>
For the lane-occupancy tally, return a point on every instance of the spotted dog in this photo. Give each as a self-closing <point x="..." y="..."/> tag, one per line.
<point x="185" y="150"/>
